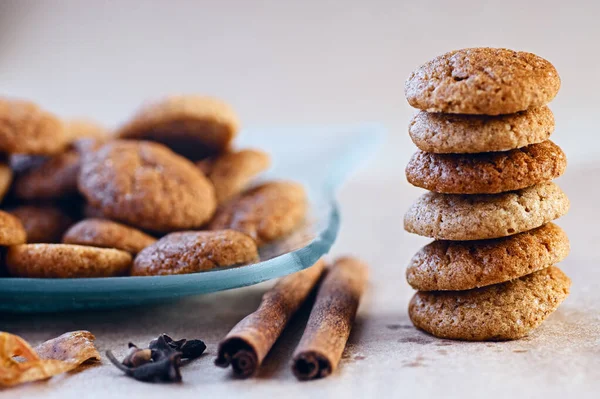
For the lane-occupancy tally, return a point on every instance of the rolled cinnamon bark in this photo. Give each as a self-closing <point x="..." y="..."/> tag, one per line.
<point x="330" y="320"/>
<point x="248" y="343"/>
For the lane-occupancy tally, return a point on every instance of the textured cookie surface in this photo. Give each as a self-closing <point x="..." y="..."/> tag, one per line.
<point x="43" y="223"/>
<point x="27" y="129"/>
<point x="267" y="212"/>
<point x="66" y="261"/>
<point x="48" y="178"/>
<point x="231" y="172"/>
<point x="195" y="251"/>
<point x="478" y="217"/>
<point x="464" y="265"/>
<point x="146" y="185"/>
<point x="482" y="81"/>
<point x="453" y="133"/>
<point x="487" y="173"/>
<point x="12" y="231"/>
<point x="193" y="126"/>
<point x="504" y="311"/>
<point x="108" y="234"/>
<point x="6" y="178"/>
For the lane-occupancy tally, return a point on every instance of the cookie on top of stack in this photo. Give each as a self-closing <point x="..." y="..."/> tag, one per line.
<point x="486" y="158"/>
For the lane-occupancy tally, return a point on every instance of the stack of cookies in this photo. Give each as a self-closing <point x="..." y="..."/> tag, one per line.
<point x="486" y="158"/>
<point x="164" y="194"/>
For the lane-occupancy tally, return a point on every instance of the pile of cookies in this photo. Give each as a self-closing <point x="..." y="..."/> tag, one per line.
<point x="485" y="156"/>
<point x="166" y="193"/>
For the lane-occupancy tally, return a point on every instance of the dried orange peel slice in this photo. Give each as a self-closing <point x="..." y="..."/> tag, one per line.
<point x="53" y="357"/>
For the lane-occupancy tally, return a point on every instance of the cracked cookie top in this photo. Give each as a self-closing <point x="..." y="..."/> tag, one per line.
<point x="487" y="173"/>
<point x="464" y="265"/>
<point x="484" y="216"/>
<point x="146" y="185"/>
<point x="498" y="312"/>
<point x="482" y="81"/>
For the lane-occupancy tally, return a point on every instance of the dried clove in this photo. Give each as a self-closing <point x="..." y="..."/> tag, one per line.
<point x="164" y="370"/>
<point x="161" y="361"/>
<point x="189" y="349"/>
<point x="137" y="356"/>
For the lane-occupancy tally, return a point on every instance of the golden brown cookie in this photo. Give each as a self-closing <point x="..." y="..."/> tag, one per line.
<point x="66" y="261"/>
<point x="463" y="265"/>
<point x="43" y="223"/>
<point x="487" y="173"/>
<point x="83" y="129"/>
<point x="479" y="217"/>
<point x="498" y="312"/>
<point x="6" y="178"/>
<point x="108" y="234"/>
<point x="12" y="231"/>
<point x="267" y="212"/>
<point x="146" y="185"/>
<point x="27" y="129"/>
<point x="232" y="172"/>
<point x="195" y="251"/>
<point x="454" y="133"/>
<point x="482" y="81"/>
<point x="193" y="126"/>
<point x="48" y="178"/>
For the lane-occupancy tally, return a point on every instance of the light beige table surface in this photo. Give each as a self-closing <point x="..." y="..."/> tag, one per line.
<point x="386" y="356"/>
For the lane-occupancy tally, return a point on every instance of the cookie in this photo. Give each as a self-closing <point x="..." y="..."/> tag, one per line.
<point x="108" y="234"/>
<point x="12" y="231"/>
<point x="487" y="173"/>
<point x="193" y="126"/>
<point x="267" y="212"/>
<point x="452" y="133"/>
<point x="146" y="185"/>
<point x="66" y="261"/>
<point x="498" y="312"/>
<point x="27" y="129"/>
<point x="482" y="81"/>
<point x="6" y="178"/>
<point x="479" y="217"/>
<point x="43" y="223"/>
<point x="83" y="129"/>
<point x="48" y="178"/>
<point x="195" y="251"/>
<point x="231" y="172"/>
<point x="464" y="265"/>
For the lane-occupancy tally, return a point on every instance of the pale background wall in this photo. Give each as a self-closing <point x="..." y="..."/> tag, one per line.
<point x="288" y="62"/>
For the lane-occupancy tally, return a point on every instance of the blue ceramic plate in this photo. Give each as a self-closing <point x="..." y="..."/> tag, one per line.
<point x="319" y="158"/>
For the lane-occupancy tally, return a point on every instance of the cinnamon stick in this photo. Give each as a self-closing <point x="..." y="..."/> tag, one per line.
<point x="248" y="343"/>
<point x="330" y="320"/>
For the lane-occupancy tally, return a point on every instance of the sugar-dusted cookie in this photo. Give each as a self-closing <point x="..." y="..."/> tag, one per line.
<point x="195" y="251"/>
<point x="66" y="261"/>
<point x="482" y="81"/>
<point x="266" y="212"/>
<point x="43" y="223"/>
<point x="478" y="217"/>
<point x="193" y="126"/>
<point x="232" y="172"/>
<point x="504" y="311"/>
<point x="12" y="231"/>
<point x="453" y="133"/>
<point x="487" y="173"/>
<point x="27" y="129"/>
<point x="463" y="265"/>
<point x="108" y="234"/>
<point x="146" y="185"/>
